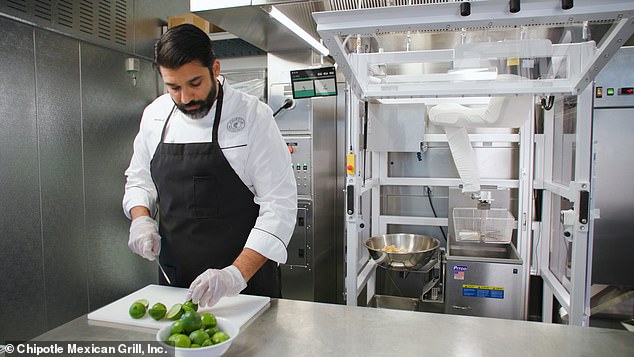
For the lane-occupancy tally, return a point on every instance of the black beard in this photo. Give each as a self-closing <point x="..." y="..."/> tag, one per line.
<point x="203" y="109"/>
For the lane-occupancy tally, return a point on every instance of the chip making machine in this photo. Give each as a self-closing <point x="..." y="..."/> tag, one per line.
<point x="500" y="105"/>
<point x="483" y="268"/>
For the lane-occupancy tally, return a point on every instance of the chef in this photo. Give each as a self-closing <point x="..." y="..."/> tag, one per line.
<point x="210" y="165"/>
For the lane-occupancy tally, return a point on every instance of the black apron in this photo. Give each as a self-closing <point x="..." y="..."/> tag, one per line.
<point x="205" y="212"/>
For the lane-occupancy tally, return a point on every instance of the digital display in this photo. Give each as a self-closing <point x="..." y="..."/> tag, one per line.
<point x="318" y="82"/>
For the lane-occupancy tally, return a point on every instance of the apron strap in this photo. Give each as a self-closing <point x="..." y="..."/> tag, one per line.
<point x="214" y="133"/>
<point x="166" y="120"/>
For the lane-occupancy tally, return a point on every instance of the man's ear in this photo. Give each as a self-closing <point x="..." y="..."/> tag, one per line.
<point x="215" y="68"/>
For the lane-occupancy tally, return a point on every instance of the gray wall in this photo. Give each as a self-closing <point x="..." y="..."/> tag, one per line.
<point x="68" y="115"/>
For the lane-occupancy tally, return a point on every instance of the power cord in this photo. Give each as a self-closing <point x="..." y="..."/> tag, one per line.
<point x="288" y="102"/>
<point x="431" y="204"/>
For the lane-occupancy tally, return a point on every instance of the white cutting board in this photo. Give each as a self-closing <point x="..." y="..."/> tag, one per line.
<point x="238" y="309"/>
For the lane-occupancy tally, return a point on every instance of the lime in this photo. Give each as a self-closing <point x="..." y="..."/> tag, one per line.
<point x="194" y="345"/>
<point x="219" y="337"/>
<point x="137" y="310"/>
<point x="208" y="319"/>
<point x="157" y="311"/>
<point x="179" y="340"/>
<point x="198" y="336"/>
<point x="206" y="343"/>
<point x="175" y="312"/>
<point x="191" y="321"/>
<point x="210" y="331"/>
<point x="176" y="327"/>
<point x="188" y="308"/>
<point x="145" y="302"/>
<point x="190" y="304"/>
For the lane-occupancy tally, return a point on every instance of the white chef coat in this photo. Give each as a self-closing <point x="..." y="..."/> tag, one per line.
<point x="252" y="144"/>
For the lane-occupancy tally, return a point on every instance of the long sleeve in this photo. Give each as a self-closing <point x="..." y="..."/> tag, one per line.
<point x="139" y="187"/>
<point x="269" y="167"/>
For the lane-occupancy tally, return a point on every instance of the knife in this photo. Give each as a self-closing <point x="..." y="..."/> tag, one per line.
<point x="163" y="271"/>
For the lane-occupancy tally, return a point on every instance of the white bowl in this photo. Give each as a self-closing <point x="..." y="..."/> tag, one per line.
<point x="214" y="350"/>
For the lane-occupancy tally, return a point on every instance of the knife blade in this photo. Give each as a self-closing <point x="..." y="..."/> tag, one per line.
<point x="163" y="271"/>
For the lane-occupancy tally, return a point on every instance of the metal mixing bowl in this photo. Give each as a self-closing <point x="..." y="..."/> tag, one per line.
<point x="417" y="250"/>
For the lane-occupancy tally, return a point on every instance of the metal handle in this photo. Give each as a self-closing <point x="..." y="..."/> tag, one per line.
<point x="458" y="307"/>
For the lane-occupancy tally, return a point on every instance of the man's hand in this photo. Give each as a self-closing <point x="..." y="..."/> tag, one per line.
<point x="213" y="284"/>
<point x="144" y="239"/>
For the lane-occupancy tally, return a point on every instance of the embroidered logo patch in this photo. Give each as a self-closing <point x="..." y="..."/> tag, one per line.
<point x="236" y="124"/>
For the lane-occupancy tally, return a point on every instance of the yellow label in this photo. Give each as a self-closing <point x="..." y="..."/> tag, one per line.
<point x="481" y="287"/>
<point x="350" y="164"/>
<point x="513" y="61"/>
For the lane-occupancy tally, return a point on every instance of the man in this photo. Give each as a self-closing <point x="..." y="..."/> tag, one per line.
<point x="212" y="162"/>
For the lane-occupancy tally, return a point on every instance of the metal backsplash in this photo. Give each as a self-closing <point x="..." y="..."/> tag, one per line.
<point x="105" y="22"/>
<point x="68" y="116"/>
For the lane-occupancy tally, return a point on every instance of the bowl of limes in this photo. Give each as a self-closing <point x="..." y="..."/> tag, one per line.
<point x="198" y="334"/>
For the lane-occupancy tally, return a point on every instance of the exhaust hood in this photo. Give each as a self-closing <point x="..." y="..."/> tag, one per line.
<point x="250" y="21"/>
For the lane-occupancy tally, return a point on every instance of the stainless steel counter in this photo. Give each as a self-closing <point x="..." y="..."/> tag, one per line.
<point x="297" y="328"/>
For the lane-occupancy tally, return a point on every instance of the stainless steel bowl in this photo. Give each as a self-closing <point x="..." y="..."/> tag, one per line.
<point x="417" y="250"/>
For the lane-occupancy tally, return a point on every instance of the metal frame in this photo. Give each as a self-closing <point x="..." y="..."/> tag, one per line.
<point x="584" y="59"/>
<point x="363" y="274"/>
<point x="573" y="295"/>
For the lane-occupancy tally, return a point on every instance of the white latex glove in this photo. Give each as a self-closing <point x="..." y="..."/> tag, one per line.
<point x="213" y="284"/>
<point x="144" y="238"/>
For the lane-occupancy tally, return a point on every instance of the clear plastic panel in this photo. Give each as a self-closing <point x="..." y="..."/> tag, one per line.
<point x="471" y="62"/>
<point x="560" y="247"/>
<point x="493" y="225"/>
<point x="564" y="140"/>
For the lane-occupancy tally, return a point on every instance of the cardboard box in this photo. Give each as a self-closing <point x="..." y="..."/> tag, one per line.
<point x="193" y="19"/>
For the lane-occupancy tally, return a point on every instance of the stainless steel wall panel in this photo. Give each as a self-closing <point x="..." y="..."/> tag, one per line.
<point x="52" y="264"/>
<point x="21" y="264"/>
<point x="111" y="113"/>
<point x="324" y="183"/>
<point x="413" y="201"/>
<point x="614" y="169"/>
<point x="59" y="128"/>
<point x="340" y="129"/>
<point x="492" y="162"/>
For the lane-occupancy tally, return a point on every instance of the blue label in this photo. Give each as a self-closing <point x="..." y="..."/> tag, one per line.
<point x="488" y="292"/>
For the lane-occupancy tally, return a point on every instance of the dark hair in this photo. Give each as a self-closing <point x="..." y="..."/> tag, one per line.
<point x="183" y="44"/>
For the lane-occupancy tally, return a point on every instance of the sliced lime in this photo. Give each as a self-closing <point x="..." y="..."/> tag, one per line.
<point x="145" y="302"/>
<point x="175" y="312"/>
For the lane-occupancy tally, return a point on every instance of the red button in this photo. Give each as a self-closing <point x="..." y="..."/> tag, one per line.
<point x="290" y="149"/>
<point x="350" y="167"/>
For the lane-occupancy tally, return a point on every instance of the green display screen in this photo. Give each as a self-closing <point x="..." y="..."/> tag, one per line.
<point x="318" y="82"/>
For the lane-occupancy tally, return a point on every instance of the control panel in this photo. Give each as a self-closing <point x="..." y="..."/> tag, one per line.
<point x="614" y="86"/>
<point x="300" y="149"/>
